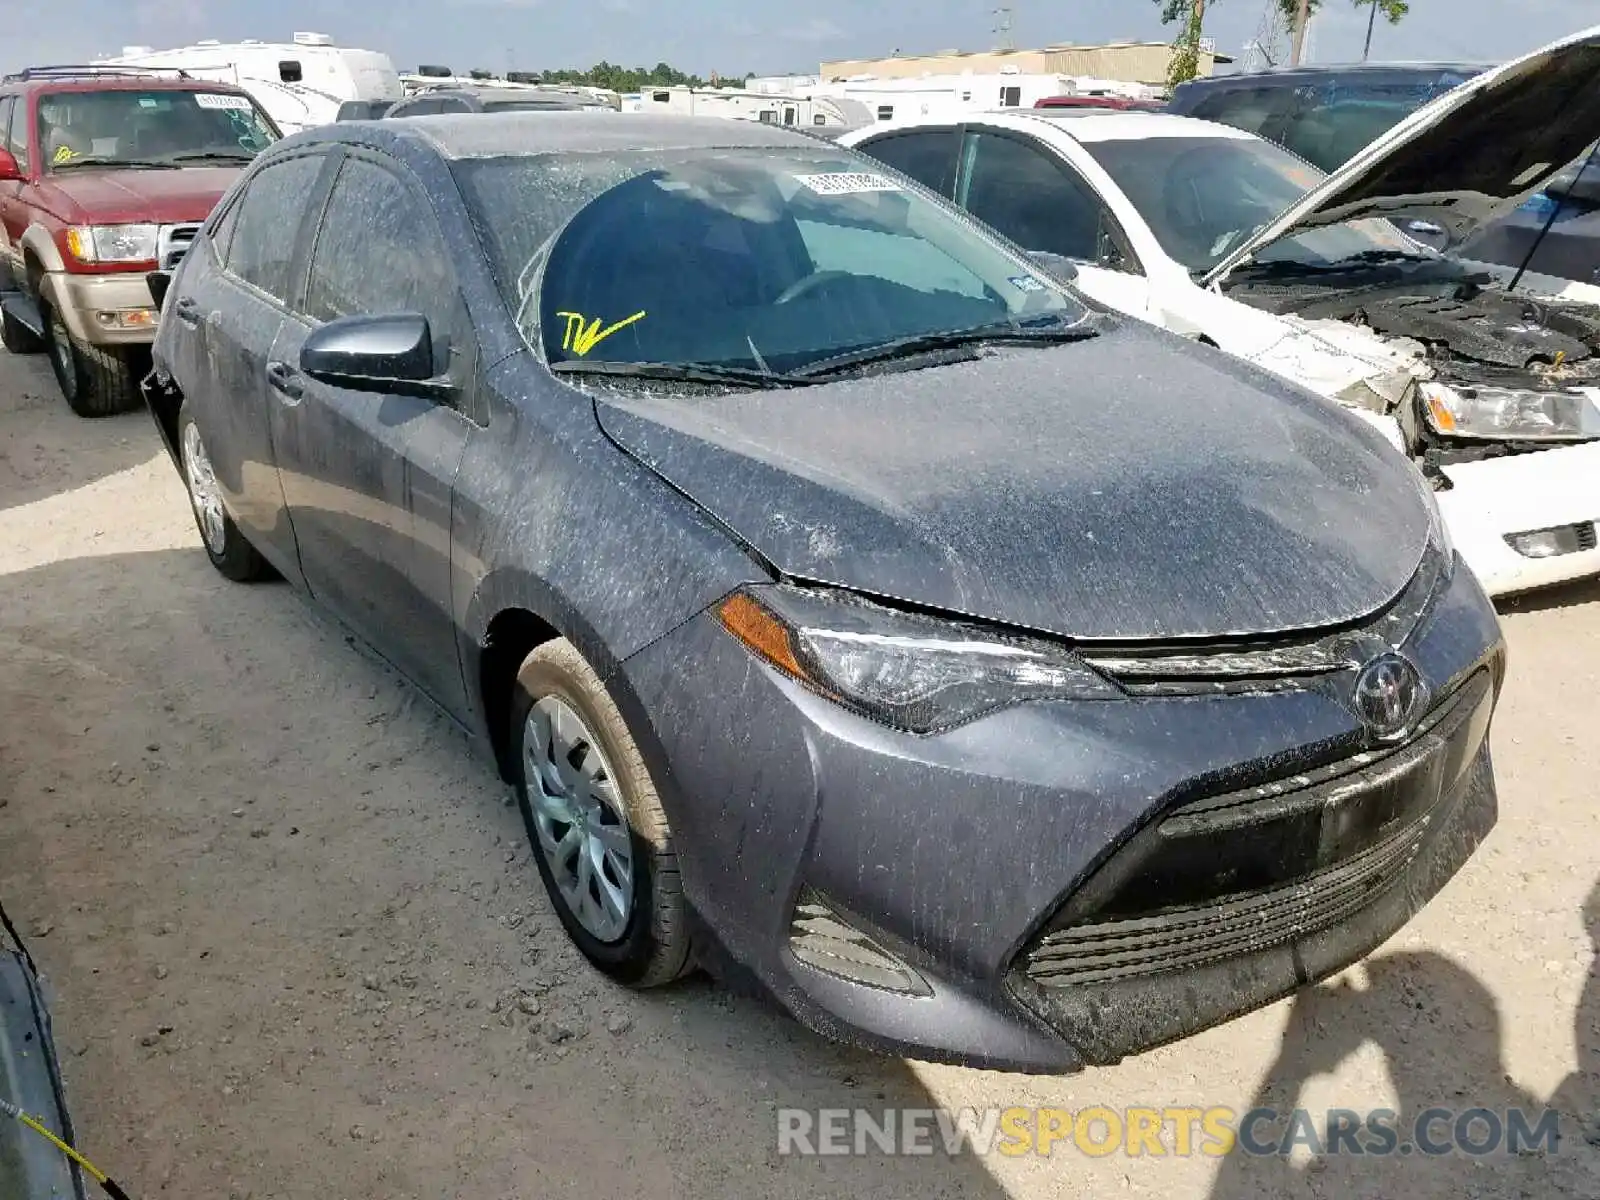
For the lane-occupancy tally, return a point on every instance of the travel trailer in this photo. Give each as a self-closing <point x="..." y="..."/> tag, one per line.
<point x="940" y="96"/>
<point x="743" y="105"/>
<point x="428" y="78"/>
<point x="300" y="83"/>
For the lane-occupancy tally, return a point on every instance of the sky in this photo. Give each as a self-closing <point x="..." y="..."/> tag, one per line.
<point x="701" y="36"/>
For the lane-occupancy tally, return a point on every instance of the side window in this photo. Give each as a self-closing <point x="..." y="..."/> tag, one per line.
<point x="1029" y="196"/>
<point x="262" y="243"/>
<point x="5" y="121"/>
<point x="422" y="108"/>
<point x="1010" y="97"/>
<point x="17" y="141"/>
<point x="380" y="251"/>
<point x="928" y="156"/>
<point x="1254" y="110"/>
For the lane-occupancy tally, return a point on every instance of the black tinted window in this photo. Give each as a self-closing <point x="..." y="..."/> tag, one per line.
<point x="261" y="249"/>
<point x="928" y="156"/>
<point x="1336" y="119"/>
<point x="1028" y="195"/>
<point x="379" y="251"/>
<point x="1254" y="110"/>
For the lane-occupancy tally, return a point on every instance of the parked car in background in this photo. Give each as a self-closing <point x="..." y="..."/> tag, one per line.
<point x="1115" y="103"/>
<point x="993" y="679"/>
<point x="1325" y="114"/>
<point x="1221" y="235"/>
<point x="1555" y="232"/>
<point x="492" y="99"/>
<point x="364" y="110"/>
<point x="105" y="175"/>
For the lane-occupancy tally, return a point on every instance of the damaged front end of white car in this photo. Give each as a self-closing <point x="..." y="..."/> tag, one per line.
<point x="1489" y="378"/>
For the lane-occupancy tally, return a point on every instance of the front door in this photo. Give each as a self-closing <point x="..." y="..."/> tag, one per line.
<point x="369" y="477"/>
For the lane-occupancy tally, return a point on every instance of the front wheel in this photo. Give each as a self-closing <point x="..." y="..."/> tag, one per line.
<point x="600" y="837"/>
<point x="97" y="381"/>
<point x="226" y="547"/>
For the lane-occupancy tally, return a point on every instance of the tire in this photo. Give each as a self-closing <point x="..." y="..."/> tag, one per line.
<point x="652" y="944"/>
<point x="224" y="545"/>
<point x="97" y="381"/>
<point x="17" y="338"/>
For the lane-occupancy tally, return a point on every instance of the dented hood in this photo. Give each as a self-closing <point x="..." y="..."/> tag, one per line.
<point x="1471" y="156"/>
<point x="1127" y="487"/>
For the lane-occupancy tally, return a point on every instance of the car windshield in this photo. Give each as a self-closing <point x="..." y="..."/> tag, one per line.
<point x="1203" y="197"/>
<point x="160" y="127"/>
<point x="753" y="259"/>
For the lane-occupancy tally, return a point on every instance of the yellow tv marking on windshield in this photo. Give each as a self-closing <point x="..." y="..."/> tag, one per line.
<point x="64" y="154"/>
<point x="582" y="335"/>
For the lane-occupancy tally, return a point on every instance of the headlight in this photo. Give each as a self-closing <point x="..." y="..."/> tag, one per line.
<point x="1511" y="414"/>
<point x="913" y="673"/>
<point x="113" y="243"/>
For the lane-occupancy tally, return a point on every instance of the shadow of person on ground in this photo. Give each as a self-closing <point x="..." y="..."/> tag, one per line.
<point x="1578" y="1098"/>
<point x="1440" y="1032"/>
<point x="1566" y="595"/>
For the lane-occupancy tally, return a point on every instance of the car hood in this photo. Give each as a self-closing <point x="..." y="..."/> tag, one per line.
<point x="1472" y="155"/>
<point x="1129" y="487"/>
<point x="126" y="195"/>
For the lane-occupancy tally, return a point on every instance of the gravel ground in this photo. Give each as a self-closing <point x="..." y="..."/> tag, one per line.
<point x="298" y="948"/>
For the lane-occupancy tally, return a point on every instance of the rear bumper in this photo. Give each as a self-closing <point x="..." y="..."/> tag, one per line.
<point x="1496" y="499"/>
<point x="103" y="310"/>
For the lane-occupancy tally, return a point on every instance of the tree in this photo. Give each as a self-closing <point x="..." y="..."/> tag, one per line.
<point x="1394" y="11"/>
<point x="1185" y="63"/>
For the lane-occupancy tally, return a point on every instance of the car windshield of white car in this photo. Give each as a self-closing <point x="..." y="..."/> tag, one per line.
<point x="1203" y="197"/>
<point x="124" y="127"/>
<point x="776" y="262"/>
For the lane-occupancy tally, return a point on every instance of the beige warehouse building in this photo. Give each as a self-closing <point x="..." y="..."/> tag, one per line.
<point x="1129" y="62"/>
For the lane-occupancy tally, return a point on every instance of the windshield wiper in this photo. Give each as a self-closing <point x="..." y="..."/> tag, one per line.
<point x="214" y="156"/>
<point x="679" y="372"/>
<point x="1001" y="332"/>
<point x="101" y="160"/>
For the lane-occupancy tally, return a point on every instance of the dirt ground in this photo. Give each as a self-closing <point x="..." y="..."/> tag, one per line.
<point x="298" y="948"/>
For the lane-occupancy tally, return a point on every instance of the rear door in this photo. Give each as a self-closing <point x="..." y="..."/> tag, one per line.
<point x="369" y="477"/>
<point x="233" y="300"/>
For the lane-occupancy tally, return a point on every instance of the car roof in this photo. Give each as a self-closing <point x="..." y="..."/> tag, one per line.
<point x="1270" y="74"/>
<point x="1088" y="124"/>
<point x="92" y="79"/>
<point x="485" y="135"/>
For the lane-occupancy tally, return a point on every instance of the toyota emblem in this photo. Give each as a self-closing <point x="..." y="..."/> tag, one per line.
<point x="1388" y="695"/>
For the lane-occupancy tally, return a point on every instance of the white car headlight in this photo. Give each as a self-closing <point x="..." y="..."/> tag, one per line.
<point x="114" y="243"/>
<point x="1511" y="414"/>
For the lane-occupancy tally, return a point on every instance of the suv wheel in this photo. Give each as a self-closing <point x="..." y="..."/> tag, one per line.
<point x="17" y="337"/>
<point x="97" y="381"/>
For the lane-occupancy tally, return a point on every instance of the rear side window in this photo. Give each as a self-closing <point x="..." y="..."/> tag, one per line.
<point x="928" y="156"/>
<point x="1028" y="195"/>
<point x="261" y="247"/>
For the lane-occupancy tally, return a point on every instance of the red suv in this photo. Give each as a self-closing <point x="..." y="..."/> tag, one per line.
<point x="106" y="174"/>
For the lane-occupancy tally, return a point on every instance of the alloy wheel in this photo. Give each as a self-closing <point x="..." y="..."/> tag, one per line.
<point x="204" y="491"/>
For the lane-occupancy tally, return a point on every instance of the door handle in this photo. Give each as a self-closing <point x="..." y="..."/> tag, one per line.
<point x="188" y="311"/>
<point x="285" y="379"/>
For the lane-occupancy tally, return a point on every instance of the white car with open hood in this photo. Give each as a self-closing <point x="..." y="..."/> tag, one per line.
<point x="1489" y="381"/>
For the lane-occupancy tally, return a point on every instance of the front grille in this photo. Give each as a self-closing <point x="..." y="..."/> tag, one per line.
<point x="1188" y="937"/>
<point x="174" y="243"/>
<point x="1280" y="664"/>
<point x="1236" y="871"/>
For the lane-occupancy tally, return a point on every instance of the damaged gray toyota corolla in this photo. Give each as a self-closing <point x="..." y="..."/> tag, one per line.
<point x="850" y="605"/>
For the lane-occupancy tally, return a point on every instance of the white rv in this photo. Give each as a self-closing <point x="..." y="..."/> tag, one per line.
<point x="300" y="83"/>
<point x="743" y="105"/>
<point x="942" y="97"/>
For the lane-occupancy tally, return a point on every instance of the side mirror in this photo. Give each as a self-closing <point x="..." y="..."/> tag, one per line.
<point x="1056" y="265"/>
<point x="391" y="353"/>
<point x="159" y="282"/>
<point x="8" y="167"/>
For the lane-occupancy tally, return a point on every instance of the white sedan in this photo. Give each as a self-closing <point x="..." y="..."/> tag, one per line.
<point x="1221" y="236"/>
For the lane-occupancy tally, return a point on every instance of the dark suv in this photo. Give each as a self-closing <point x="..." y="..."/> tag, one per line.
<point x="1323" y="114"/>
<point x="105" y="175"/>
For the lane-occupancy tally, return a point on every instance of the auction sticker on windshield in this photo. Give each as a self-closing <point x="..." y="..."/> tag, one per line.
<point x="846" y="183"/>
<point x="221" y="100"/>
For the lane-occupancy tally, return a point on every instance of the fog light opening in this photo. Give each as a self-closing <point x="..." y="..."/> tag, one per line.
<point x="823" y="939"/>
<point x="1554" y="542"/>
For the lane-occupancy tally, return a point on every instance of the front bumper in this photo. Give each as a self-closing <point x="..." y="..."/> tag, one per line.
<point x="1496" y="499"/>
<point x="933" y="873"/>
<point x="104" y="310"/>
